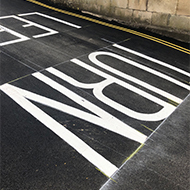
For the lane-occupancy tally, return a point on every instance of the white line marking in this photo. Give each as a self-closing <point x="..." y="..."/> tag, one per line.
<point x="86" y="151"/>
<point x="128" y="77"/>
<point x="152" y="59"/>
<point x="93" y="58"/>
<point x="104" y="119"/>
<point x="27" y="14"/>
<point x="50" y="31"/>
<point x="98" y="92"/>
<point x="4" y="17"/>
<point x="121" y="74"/>
<point x="52" y="18"/>
<point x="20" y="36"/>
<point x="29" y="23"/>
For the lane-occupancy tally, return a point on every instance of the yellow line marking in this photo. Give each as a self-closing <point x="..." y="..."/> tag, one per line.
<point x="185" y="81"/>
<point x="147" y="128"/>
<point x="137" y="150"/>
<point x="174" y="46"/>
<point x="127" y="39"/>
<point x="18" y="78"/>
<point x="173" y="102"/>
<point x="106" y="175"/>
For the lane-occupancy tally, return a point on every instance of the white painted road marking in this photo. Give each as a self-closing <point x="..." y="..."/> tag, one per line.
<point x="29" y="24"/>
<point x="99" y="161"/>
<point x="99" y="117"/>
<point x="98" y="92"/>
<point x="52" y="18"/>
<point x="104" y="119"/>
<point x="93" y="58"/>
<point x="20" y="36"/>
<point x="152" y="59"/>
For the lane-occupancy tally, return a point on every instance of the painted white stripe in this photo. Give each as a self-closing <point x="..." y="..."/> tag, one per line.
<point x="100" y="73"/>
<point x="4" y="17"/>
<point x="52" y="18"/>
<point x="108" y="121"/>
<point x="71" y="80"/>
<point x="152" y="59"/>
<point x="100" y="86"/>
<point x="20" y="36"/>
<point x="86" y="151"/>
<point x="93" y="58"/>
<point x="59" y="106"/>
<point x="157" y="116"/>
<point x="29" y="23"/>
<point x="50" y="31"/>
<point x="27" y="14"/>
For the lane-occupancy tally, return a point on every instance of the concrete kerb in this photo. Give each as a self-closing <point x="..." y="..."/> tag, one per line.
<point x="165" y="157"/>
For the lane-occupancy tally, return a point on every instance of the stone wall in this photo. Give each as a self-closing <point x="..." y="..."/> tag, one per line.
<point x="168" y="17"/>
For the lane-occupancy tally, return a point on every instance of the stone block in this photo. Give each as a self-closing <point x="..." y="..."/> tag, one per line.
<point x="104" y="3"/>
<point x="162" y="6"/>
<point x="91" y="7"/>
<point x="119" y="3"/>
<point x="108" y="11"/>
<point x="183" y="7"/>
<point x="160" y="19"/>
<point x="137" y="4"/>
<point x="180" y="22"/>
<point x="142" y="17"/>
<point x="123" y="14"/>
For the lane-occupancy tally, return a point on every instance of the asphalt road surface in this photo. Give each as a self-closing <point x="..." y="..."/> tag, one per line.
<point x="79" y="96"/>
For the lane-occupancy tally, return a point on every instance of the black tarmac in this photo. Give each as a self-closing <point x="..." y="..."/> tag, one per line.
<point x="128" y="85"/>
